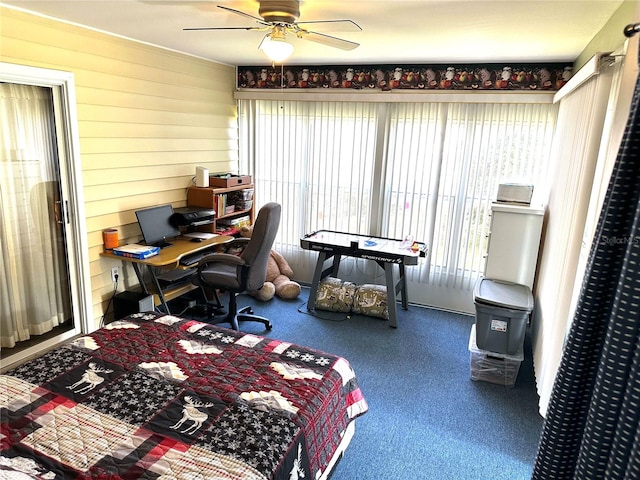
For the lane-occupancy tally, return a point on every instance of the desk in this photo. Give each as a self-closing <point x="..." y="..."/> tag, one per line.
<point x="386" y="252"/>
<point x="168" y="258"/>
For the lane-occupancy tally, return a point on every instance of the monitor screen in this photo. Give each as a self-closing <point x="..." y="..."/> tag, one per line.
<point x="156" y="225"/>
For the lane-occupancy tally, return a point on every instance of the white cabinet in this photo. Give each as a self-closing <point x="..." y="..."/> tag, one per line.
<point x="514" y="241"/>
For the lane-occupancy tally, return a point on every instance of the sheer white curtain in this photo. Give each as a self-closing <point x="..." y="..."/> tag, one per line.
<point x="35" y="294"/>
<point x="429" y="170"/>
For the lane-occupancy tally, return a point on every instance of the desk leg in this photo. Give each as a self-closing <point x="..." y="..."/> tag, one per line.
<point x="143" y="284"/>
<point x="391" y="295"/>
<point x="156" y="284"/>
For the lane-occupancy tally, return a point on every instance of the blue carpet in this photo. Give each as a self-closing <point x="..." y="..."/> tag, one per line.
<point x="427" y="419"/>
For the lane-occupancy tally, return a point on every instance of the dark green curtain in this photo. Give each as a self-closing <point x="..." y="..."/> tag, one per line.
<point x="592" y="426"/>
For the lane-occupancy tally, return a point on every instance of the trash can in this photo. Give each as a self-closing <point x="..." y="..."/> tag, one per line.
<point x="502" y="312"/>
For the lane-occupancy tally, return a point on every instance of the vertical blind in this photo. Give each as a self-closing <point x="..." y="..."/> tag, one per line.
<point x="577" y="142"/>
<point x="426" y="170"/>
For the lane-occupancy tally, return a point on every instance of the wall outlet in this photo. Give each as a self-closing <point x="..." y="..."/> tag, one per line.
<point x="114" y="273"/>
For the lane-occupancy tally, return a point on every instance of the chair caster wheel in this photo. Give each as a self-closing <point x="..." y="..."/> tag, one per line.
<point x="269" y="326"/>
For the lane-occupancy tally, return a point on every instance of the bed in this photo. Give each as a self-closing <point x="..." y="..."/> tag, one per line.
<point x="156" y="396"/>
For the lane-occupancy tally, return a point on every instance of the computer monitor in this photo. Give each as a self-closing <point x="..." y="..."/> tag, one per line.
<point x="156" y="225"/>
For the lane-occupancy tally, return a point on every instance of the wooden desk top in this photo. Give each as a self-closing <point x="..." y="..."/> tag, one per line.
<point x="170" y="256"/>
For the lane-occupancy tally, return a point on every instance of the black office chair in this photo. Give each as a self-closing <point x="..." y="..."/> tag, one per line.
<point x="236" y="274"/>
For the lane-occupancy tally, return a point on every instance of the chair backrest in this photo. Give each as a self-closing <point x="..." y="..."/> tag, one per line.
<point x="256" y="253"/>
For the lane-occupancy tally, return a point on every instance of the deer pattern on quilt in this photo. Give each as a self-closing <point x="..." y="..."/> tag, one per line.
<point x="297" y="472"/>
<point x="190" y="412"/>
<point x="91" y="378"/>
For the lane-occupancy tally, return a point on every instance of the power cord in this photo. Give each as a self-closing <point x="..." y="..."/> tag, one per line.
<point x="115" y="290"/>
<point x="192" y="183"/>
<point x="325" y="315"/>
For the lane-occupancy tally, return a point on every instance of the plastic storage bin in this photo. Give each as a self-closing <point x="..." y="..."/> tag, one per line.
<point x="244" y="204"/>
<point x="493" y="367"/>
<point x="502" y="312"/>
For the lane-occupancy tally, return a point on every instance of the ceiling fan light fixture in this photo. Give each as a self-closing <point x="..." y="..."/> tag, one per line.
<point x="276" y="47"/>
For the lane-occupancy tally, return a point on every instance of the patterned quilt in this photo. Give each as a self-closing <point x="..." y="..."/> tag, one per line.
<point x="155" y="396"/>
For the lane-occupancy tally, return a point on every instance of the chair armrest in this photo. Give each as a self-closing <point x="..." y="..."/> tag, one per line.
<point x="236" y="246"/>
<point x="227" y="258"/>
<point x="238" y="241"/>
<point x="220" y="258"/>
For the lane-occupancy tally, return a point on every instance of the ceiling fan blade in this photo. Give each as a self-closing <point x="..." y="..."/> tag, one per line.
<point x="225" y="28"/>
<point x="334" y="25"/>
<point x="238" y="12"/>
<point x="264" y="39"/>
<point x="327" y="40"/>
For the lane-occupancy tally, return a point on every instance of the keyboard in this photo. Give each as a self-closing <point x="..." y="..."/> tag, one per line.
<point x="193" y="259"/>
<point x="174" y="277"/>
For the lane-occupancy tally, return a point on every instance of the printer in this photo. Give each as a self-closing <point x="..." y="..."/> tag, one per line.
<point x="192" y="216"/>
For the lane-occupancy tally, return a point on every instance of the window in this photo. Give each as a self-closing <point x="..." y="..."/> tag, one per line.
<point x="430" y="170"/>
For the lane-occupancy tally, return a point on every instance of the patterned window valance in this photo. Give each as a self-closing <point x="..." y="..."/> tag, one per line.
<point x="514" y="76"/>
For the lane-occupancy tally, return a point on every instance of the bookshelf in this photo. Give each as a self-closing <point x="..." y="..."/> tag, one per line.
<point x="234" y="206"/>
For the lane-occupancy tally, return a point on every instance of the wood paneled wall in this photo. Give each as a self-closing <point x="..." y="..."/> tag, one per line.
<point x="147" y="117"/>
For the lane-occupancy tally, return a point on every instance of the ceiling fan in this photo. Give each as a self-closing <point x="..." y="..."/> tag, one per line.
<point x="279" y="18"/>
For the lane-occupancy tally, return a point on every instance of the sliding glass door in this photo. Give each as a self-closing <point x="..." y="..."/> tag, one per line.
<point x="45" y="294"/>
<point x="33" y="268"/>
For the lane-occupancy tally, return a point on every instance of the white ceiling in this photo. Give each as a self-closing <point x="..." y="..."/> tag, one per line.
<point x="394" y="31"/>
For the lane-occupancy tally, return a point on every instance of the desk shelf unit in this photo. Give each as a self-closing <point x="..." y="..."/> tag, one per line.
<point x="211" y="197"/>
<point x="172" y="292"/>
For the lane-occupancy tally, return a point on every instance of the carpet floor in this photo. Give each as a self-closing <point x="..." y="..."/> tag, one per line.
<point x="427" y="419"/>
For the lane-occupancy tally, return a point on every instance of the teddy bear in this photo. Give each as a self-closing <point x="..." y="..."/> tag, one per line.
<point x="278" y="280"/>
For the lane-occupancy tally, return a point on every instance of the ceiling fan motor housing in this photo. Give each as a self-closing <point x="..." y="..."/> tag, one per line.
<point x="279" y="11"/>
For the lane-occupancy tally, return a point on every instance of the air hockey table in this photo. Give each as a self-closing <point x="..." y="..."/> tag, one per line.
<point x="386" y="252"/>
